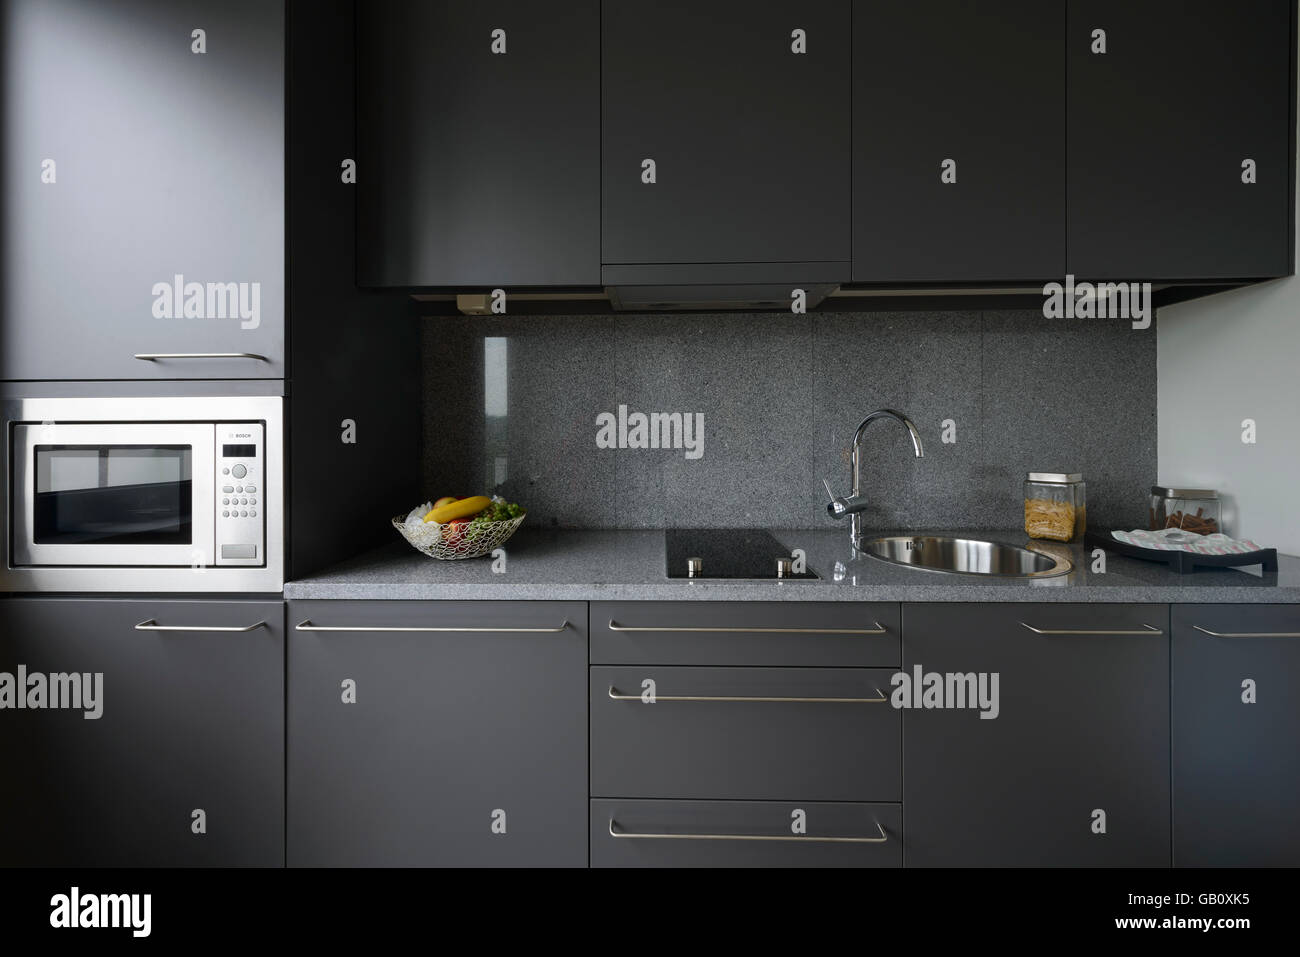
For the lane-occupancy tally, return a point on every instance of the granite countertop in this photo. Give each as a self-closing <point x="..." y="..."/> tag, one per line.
<point x="591" y="565"/>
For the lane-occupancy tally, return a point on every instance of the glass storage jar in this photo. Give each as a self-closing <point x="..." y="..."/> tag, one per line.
<point x="1195" y="510"/>
<point x="1056" y="506"/>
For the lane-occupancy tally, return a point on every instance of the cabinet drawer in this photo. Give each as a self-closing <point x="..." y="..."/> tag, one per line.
<point x="1236" y="719"/>
<point x="745" y="834"/>
<point x="745" y="734"/>
<point x="812" y="634"/>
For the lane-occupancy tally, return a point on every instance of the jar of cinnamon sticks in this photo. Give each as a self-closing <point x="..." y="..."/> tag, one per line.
<point x="1195" y="510"/>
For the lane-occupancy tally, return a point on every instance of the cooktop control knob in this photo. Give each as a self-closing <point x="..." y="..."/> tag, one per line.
<point x="694" y="567"/>
<point x="784" y="568"/>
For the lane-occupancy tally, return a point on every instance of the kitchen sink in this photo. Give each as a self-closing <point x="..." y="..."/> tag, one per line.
<point x="966" y="556"/>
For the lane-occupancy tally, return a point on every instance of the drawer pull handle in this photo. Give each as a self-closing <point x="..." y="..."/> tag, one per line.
<point x="616" y="695"/>
<point x="308" y="626"/>
<point x="1145" y="630"/>
<point x="1247" y="634"/>
<point x="878" y="630"/>
<point x="151" y="356"/>
<point x="616" y="831"/>
<point x="150" y="625"/>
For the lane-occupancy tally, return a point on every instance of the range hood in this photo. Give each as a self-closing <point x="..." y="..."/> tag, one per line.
<point x="719" y="286"/>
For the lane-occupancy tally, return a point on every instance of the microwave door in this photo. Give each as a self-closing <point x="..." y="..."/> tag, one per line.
<point x="113" y="494"/>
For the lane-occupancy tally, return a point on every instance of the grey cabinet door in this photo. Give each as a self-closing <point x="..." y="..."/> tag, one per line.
<point x="479" y="142"/>
<point x="749" y="139"/>
<point x="462" y="747"/>
<point x="744" y="733"/>
<point x="1160" y="125"/>
<point x="134" y="168"/>
<point x="184" y="764"/>
<point x="1236" y="721"/>
<point x="958" y="141"/>
<point x="1081" y="737"/>
<point x="745" y="834"/>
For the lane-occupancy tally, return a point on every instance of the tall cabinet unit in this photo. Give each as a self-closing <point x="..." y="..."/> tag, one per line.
<point x="354" y="394"/>
<point x="958" y="141"/>
<point x="142" y="190"/>
<point x="479" y="143"/>
<point x="1181" y="160"/>
<point x="725" y="134"/>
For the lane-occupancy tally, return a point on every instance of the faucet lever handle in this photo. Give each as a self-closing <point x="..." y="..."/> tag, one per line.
<point x="841" y="506"/>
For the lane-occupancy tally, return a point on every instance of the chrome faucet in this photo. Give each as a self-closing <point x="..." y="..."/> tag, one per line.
<point x="856" y="503"/>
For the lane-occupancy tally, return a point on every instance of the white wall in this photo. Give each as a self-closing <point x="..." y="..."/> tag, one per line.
<point x="1220" y="360"/>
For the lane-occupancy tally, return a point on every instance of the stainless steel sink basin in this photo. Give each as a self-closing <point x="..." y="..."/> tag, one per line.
<point x="966" y="556"/>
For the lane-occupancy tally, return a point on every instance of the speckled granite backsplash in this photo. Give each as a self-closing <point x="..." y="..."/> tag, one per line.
<point x="514" y="404"/>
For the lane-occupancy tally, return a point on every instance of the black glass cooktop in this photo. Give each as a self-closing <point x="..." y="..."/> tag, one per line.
<point x="727" y="553"/>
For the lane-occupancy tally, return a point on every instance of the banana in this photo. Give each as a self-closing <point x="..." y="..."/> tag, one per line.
<point x="461" y="509"/>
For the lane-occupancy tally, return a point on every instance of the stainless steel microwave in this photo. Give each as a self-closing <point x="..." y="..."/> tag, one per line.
<point x="176" y="494"/>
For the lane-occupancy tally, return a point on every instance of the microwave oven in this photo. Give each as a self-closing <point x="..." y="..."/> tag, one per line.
<point x="175" y="494"/>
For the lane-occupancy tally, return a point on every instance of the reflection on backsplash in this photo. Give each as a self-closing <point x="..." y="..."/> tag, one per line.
<point x="524" y="406"/>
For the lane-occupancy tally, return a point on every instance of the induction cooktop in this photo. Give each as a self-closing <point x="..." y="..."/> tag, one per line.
<point x="735" y="553"/>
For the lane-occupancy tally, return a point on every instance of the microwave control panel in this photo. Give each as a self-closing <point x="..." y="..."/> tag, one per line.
<point x="241" y="494"/>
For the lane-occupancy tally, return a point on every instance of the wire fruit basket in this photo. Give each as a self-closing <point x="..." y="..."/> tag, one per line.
<point x="455" y="540"/>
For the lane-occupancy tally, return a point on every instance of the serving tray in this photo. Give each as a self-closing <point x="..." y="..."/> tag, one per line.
<point x="1178" y="560"/>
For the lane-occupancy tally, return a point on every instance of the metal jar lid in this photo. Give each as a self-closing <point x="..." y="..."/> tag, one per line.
<point x="1057" y="478"/>
<point x="1161" y="491"/>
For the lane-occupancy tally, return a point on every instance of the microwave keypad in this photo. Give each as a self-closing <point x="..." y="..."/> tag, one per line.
<point x="240" y="532"/>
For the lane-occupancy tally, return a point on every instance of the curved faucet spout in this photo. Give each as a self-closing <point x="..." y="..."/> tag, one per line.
<point x="887" y="414"/>
<point x="856" y="503"/>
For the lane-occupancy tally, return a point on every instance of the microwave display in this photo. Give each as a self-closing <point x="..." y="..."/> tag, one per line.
<point x="113" y="494"/>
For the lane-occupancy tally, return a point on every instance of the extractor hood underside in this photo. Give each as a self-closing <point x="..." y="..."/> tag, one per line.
<point x="715" y="297"/>
<point x="704" y="286"/>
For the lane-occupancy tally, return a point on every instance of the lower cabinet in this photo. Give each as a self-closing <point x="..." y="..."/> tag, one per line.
<point x="138" y="733"/>
<point x="1236" y="735"/>
<point x="439" y="733"/>
<point x="744" y="834"/>
<point x="1074" y="768"/>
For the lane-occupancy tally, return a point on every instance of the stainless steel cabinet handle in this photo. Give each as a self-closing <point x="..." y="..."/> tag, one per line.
<point x="878" y="630"/>
<point x="1247" y="634"/>
<point x="308" y="626"/>
<point x="150" y="356"/>
<point x="616" y="831"/>
<point x="1146" y="630"/>
<point x="615" y="695"/>
<point x="150" y="624"/>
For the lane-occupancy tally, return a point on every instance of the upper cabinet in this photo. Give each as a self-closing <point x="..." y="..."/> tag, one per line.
<point x="478" y="143"/>
<point x="958" y="141"/>
<point x="725" y="132"/>
<point x="142" y="196"/>
<point x="1180" y="139"/>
